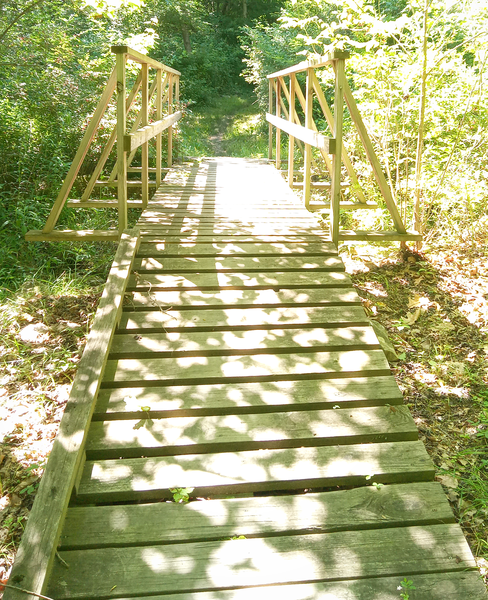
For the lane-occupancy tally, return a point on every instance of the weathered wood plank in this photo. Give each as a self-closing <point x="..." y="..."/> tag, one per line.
<point x="242" y="398"/>
<point x="243" y="238"/>
<point x="231" y="433"/>
<point x="252" y="341"/>
<point x="36" y="553"/>
<point x="237" y="264"/>
<point x="217" y="369"/>
<point x="94" y="235"/>
<point x="241" y="280"/>
<point x="255" y="470"/>
<point x="248" y="318"/>
<point x="236" y="248"/>
<point x="143" y="135"/>
<point x="317" y="140"/>
<point x="163" y="523"/>
<point x="243" y="298"/>
<point x="438" y="586"/>
<point x="250" y="562"/>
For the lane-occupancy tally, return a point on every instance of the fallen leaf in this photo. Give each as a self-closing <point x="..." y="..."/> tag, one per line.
<point x="448" y="481"/>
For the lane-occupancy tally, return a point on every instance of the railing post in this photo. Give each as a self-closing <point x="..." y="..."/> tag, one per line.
<point x="159" y="116"/>
<point x="121" y="153"/>
<point x="278" y="130"/>
<point x="335" y="196"/>
<point x="291" y="139"/>
<point x="308" y="148"/>
<point x="170" y="111"/>
<point x="145" y="146"/>
<point x="270" y="127"/>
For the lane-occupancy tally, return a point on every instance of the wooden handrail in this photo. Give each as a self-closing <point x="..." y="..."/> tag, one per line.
<point x="314" y="63"/>
<point x="165" y="90"/>
<point x="143" y="59"/>
<point x="331" y="147"/>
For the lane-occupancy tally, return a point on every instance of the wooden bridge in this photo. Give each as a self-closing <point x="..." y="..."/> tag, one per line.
<point x="231" y="362"/>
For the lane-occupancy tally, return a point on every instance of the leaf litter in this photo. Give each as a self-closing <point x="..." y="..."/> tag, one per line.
<point x="436" y="314"/>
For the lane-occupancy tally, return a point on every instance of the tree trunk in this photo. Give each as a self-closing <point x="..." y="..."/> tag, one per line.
<point x="244" y="9"/>
<point x="185" y="34"/>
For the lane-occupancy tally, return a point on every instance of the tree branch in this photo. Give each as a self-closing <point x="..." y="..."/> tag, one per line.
<point x="19" y="16"/>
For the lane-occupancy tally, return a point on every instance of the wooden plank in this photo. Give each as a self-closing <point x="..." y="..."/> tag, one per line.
<point x="241" y="398"/>
<point x="244" y="367"/>
<point x="315" y="63"/>
<point x="92" y="235"/>
<point x="379" y="236"/>
<point x="293" y="238"/>
<point x="438" y="586"/>
<point x="255" y="470"/>
<point x="156" y="523"/>
<point x="212" y="281"/>
<point x="36" y="553"/>
<point x="243" y="298"/>
<point x="231" y="319"/>
<point x="144" y="134"/>
<point x="308" y="136"/>
<point x="142" y="59"/>
<point x="175" y="248"/>
<point x="237" y="264"/>
<point x="143" y="437"/>
<point x="226" y="343"/>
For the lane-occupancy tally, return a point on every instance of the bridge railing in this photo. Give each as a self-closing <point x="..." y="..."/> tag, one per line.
<point x="284" y="93"/>
<point x="156" y="114"/>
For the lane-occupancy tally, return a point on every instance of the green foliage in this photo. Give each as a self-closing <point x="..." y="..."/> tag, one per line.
<point x="384" y="71"/>
<point x="405" y="587"/>
<point x="181" y="495"/>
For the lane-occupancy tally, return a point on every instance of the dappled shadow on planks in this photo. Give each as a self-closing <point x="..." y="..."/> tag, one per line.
<point x="249" y="387"/>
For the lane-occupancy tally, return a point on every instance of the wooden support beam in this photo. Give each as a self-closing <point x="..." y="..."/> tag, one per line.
<point x="291" y="140"/>
<point x="378" y="236"/>
<point x="270" y="127"/>
<point x="170" y="112"/>
<point x="278" y="131"/>
<point x="36" y="554"/>
<point x="308" y="147"/>
<point x="159" y="116"/>
<point x="110" y="143"/>
<point x="356" y="189"/>
<point x="81" y="153"/>
<point x="335" y="195"/>
<point x="145" y="123"/>
<point x="72" y="235"/>
<point x="132" y="141"/>
<point x="121" y="152"/>
<point x="325" y="156"/>
<point x="373" y="159"/>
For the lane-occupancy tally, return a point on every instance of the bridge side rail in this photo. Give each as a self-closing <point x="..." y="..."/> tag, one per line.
<point x="163" y="92"/>
<point x="37" y="551"/>
<point x="283" y="97"/>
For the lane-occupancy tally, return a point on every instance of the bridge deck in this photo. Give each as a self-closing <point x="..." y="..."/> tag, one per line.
<point x="244" y="367"/>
